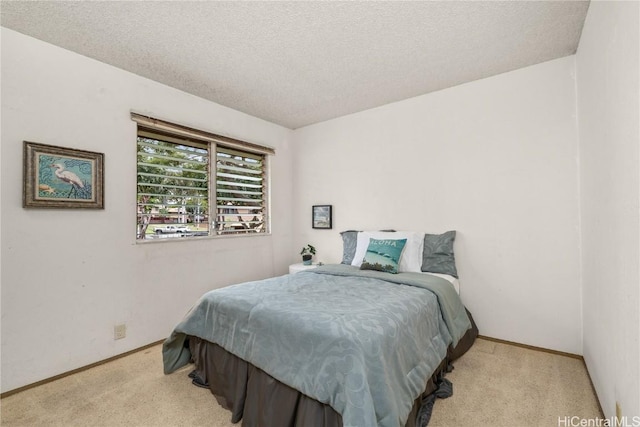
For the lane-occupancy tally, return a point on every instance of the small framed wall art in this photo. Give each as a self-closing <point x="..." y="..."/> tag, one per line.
<point x="59" y="177"/>
<point x="321" y="216"/>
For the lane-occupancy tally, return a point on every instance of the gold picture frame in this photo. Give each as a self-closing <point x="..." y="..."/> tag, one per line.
<point x="59" y="177"/>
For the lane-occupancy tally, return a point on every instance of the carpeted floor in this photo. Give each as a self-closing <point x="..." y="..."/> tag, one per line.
<point x="494" y="384"/>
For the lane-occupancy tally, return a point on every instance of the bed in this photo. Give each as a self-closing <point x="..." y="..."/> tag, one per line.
<point x="338" y="345"/>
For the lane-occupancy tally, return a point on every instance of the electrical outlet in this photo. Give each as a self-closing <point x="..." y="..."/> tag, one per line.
<point x="119" y="331"/>
<point x="618" y="413"/>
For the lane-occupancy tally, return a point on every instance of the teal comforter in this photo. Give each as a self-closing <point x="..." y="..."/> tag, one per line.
<point x="364" y="342"/>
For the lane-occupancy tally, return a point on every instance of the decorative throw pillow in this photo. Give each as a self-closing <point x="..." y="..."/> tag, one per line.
<point x="383" y="255"/>
<point x="411" y="259"/>
<point x="349" y="243"/>
<point x="437" y="256"/>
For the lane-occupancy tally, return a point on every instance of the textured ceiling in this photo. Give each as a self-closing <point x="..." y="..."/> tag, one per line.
<point x="297" y="63"/>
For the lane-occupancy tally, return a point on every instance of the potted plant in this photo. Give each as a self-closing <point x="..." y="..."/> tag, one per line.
<point x="307" y="253"/>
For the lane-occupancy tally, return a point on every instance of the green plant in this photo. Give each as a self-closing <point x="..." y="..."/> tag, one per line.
<point x="308" y="250"/>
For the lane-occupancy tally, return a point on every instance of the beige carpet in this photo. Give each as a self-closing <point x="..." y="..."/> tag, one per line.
<point x="494" y="384"/>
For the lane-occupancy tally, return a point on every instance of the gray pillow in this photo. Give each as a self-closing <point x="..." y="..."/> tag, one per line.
<point x="349" y="243"/>
<point x="437" y="256"/>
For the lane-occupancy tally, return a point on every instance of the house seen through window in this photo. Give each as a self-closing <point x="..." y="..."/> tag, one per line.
<point x="192" y="183"/>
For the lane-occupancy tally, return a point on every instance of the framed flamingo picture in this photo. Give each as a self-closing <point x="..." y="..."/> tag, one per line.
<point x="59" y="177"/>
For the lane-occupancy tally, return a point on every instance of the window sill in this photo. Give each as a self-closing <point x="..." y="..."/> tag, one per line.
<point x="199" y="238"/>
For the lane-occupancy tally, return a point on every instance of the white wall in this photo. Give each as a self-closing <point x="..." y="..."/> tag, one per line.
<point x="494" y="159"/>
<point x="608" y="117"/>
<point x="69" y="276"/>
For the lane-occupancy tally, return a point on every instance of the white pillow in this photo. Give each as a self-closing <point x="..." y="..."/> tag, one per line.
<point x="411" y="258"/>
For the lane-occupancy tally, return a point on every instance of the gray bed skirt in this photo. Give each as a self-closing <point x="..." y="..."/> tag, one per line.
<point x="259" y="400"/>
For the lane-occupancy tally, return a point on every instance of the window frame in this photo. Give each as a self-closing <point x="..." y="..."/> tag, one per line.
<point x="179" y="134"/>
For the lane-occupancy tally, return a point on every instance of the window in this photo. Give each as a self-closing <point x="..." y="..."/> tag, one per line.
<point x="180" y="193"/>
<point x="239" y="191"/>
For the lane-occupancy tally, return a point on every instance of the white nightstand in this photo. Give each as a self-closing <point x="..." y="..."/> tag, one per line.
<point x="296" y="268"/>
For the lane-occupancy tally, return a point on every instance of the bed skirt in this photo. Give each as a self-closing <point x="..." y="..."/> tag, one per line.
<point x="257" y="399"/>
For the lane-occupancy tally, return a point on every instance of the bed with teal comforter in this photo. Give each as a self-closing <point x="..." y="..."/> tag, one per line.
<point x="363" y="342"/>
